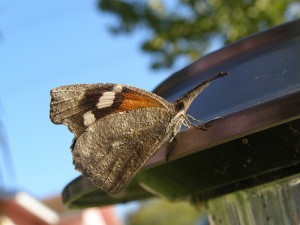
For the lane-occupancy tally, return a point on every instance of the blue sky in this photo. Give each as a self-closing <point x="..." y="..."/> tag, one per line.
<point x="46" y="44"/>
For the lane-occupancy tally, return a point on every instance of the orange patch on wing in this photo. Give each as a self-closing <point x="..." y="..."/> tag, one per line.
<point x="133" y="101"/>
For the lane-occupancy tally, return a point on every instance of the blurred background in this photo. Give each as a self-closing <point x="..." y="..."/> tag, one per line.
<point x="46" y="44"/>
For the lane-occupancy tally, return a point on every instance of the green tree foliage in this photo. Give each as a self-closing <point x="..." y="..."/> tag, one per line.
<point x="187" y="28"/>
<point x="161" y="212"/>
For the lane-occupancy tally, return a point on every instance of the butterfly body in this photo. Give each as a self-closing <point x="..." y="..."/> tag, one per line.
<point x="117" y="128"/>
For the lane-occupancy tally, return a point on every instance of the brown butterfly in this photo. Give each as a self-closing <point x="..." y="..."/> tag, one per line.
<point x="118" y="127"/>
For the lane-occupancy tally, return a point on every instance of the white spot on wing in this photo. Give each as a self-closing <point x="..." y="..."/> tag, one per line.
<point x="88" y="118"/>
<point x="106" y="100"/>
<point x="118" y="88"/>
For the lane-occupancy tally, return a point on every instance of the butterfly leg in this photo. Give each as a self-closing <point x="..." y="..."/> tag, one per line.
<point x="190" y="124"/>
<point x="206" y="125"/>
<point x="202" y="126"/>
<point x="209" y="123"/>
<point x="170" y="148"/>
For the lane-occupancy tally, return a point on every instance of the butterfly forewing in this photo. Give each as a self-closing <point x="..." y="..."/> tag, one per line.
<point x="79" y="106"/>
<point x="112" y="150"/>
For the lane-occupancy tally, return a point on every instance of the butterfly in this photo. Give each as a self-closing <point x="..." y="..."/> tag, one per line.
<point x="118" y="128"/>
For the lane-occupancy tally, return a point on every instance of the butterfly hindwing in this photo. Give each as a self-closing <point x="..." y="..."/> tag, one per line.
<point x="112" y="150"/>
<point x="78" y="106"/>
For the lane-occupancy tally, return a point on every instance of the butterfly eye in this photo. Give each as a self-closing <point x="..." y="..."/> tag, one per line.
<point x="180" y="105"/>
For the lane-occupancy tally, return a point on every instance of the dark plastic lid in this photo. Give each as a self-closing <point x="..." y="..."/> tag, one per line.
<point x="258" y="141"/>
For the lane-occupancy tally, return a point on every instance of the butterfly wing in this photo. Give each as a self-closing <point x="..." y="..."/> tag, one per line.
<point x="111" y="151"/>
<point x="78" y="106"/>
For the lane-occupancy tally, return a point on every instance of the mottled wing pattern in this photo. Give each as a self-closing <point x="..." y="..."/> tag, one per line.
<point x="111" y="151"/>
<point x="79" y="106"/>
